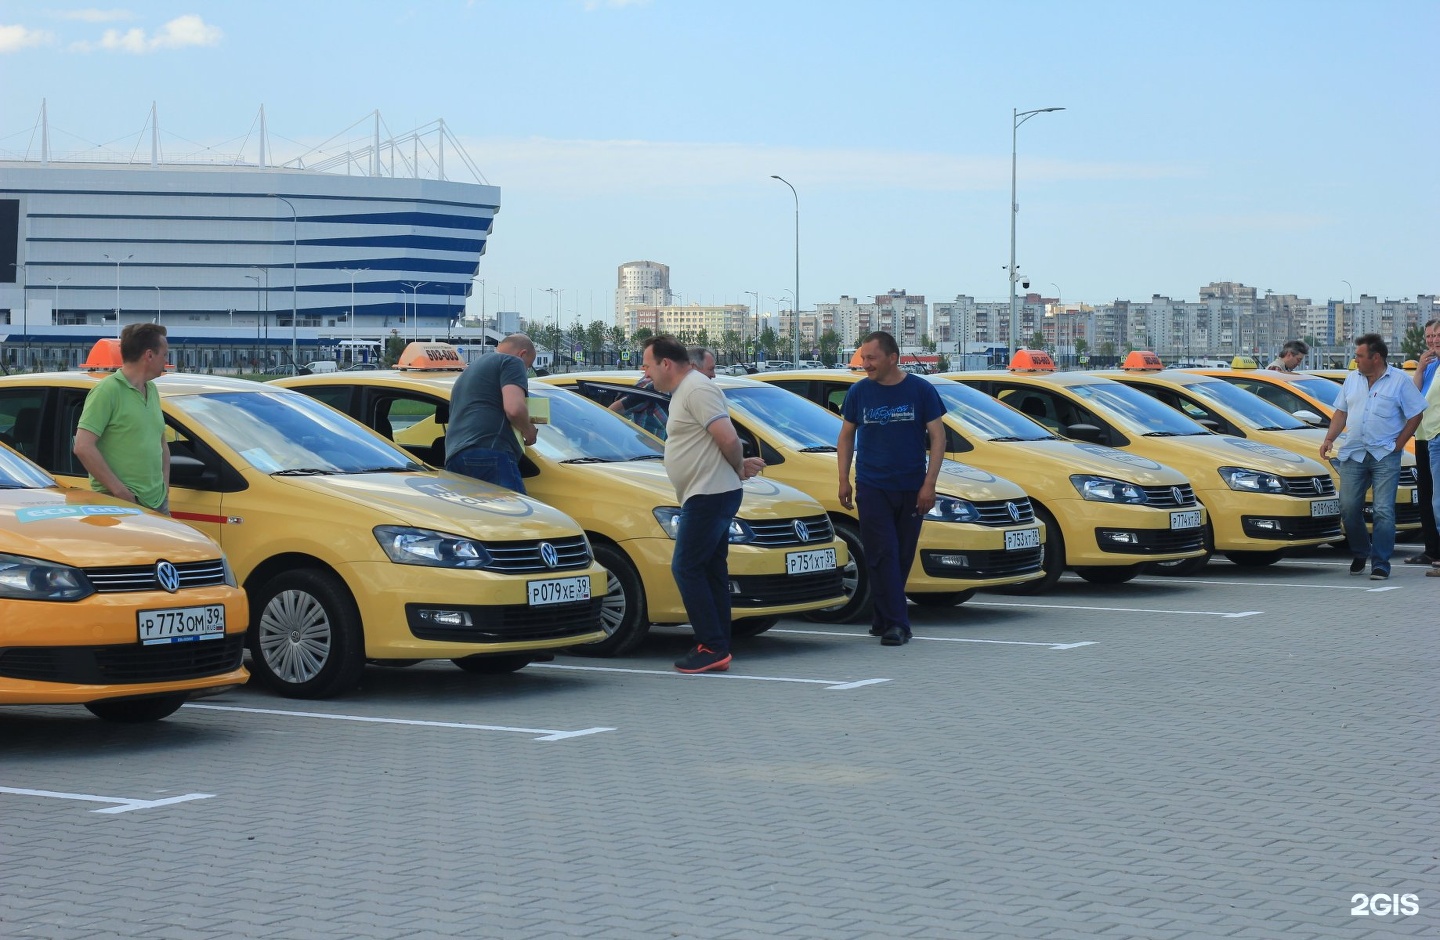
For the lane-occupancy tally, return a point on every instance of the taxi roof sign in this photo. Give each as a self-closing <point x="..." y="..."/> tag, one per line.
<point x="104" y="356"/>
<point x="430" y="357"/>
<point x="1244" y="362"/>
<point x="1142" y="360"/>
<point x="1031" y="360"/>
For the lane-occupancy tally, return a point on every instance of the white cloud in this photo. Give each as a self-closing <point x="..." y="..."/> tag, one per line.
<point x="97" y="16"/>
<point x="14" y="38"/>
<point x="179" y="33"/>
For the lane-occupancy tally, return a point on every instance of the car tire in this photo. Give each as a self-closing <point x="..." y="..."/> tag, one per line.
<point x="751" y="626"/>
<point x="855" y="578"/>
<point x="305" y="636"/>
<point x="1254" y="559"/>
<point x="493" y="665"/>
<point x="622" y="612"/>
<point x="1108" y="574"/>
<point x="1053" y="559"/>
<point x="945" y="599"/>
<point x="134" y="711"/>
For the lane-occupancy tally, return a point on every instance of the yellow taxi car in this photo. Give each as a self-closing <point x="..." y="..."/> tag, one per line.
<point x="610" y="477"/>
<point x="1226" y="408"/>
<point x="1106" y="512"/>
<point x="1259" y="500"/>
<point x="1304" y="395"/>
<point x="982" y="532"/>
<point x="348" y="549"/>
<point x="108" y="605"/>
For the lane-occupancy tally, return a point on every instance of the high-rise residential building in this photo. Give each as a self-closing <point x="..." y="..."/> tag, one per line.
<point x="692" y="322"/>
<point x="640" y="284"/>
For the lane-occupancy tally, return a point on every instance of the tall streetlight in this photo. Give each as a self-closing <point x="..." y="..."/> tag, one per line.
<point x="118" y="261"/>
<point x="157" y="305"/>
<point x="414" y="307"/>
<point x="1018" y="118"/>
<point x="259" y="317"/>
<point x="57" y="281"/>
<point x="21" y="270"/>
<point x="294" y="281"/>
<point x="756" y="337"/>
<point x="352" y="272"/>
<point x="796" y="360"/>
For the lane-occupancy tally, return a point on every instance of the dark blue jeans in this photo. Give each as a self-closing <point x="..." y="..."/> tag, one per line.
<point x="889" y="530"/>
<point x="1381" y="477"/>
<point x="702" y="546"/>
<point x="493" y="466"/>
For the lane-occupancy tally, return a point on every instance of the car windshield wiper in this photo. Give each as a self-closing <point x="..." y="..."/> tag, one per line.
<point x="1008" y="440"/>
<point x="302" y="472"/>
<point x="819" y="449"/>
<point x="649" y="457"/>
<point x="1165" y="434"/>
<point x="1276" y="427"/>
<point x="407" y="468"/>
<point x="588" y="460"/>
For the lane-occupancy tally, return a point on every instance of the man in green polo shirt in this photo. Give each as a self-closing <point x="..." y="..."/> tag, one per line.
<point x="121" y="436"/>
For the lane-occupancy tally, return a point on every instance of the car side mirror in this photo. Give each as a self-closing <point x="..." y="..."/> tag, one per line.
<point x="442" y="413"/>
<point x="1089" y="433"/>
<point x="189" y="472"/>
<point x="1209" y="424"/>
<point x="1310" y="417"/>
<point x="747" y="448"/>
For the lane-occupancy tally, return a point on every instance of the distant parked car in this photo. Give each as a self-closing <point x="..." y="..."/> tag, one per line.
<point x="362" y="367"/>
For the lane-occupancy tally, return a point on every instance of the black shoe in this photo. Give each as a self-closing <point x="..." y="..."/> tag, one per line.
<point x="703" y="659"/>
<point x="1357" y="566"/>
<point x="877" y="630"/>
<point x="1421" y="559"/>
<point x="1379" y="574"/>
<point x="894" y="636"/>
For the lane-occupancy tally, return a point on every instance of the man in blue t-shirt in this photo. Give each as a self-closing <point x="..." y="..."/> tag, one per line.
<point x="894" y="412"/>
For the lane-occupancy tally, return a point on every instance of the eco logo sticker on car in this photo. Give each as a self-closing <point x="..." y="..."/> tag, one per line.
<point x="60" y="512"/>
<point x="966" y="472"/>
<point x="503" y="503"/>
<point x="1264" y="450"/>
<point x="1119" y="456"/>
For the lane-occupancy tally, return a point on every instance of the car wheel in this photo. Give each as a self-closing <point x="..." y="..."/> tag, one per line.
<point x="1254" y="559"/>
<point x="1188" y="566"/>
<point x="947" y="599"/>
<point x="1108" y="574"/>
<point x="622" y="612"/>
<point x="1052" y="561"/>
<point x="492" y="665"/>
<point x="134" y="711"/>
<point x="752" y="626"/>
<point x="855" y="580"/>
<point x="305" y="636"/>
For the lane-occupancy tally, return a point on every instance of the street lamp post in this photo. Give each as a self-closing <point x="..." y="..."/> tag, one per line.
<point x="756" y="336"/>
<point x="158" y="316"/>
<point x="21" y="268"/>
<point x="414" y="307"/>
<point x="1017" y="118"/>
<point x="294" y="281"/>
<point x="118" y="261"/>
<point x="796" y="360"/>
<point x="352" y="272"/>
<point x="558" y="293"/>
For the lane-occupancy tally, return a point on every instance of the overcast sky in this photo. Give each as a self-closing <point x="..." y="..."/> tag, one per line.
<point x="1291" y="146"/>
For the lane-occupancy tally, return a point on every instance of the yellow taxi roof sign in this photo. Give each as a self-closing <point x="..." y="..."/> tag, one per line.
<point x="1410" y="365"/>
<point x="1031" y="360"/>
<point x="1244" y="362"/>
<point x="1142" y="360"/>
<point x="104" y="356"/>
<point x="430" y="357"/>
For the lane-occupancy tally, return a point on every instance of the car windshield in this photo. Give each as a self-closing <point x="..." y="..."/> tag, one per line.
<point x="1134" y="408"/>
<point x="1320" y="389"/>
<point x="984" y="417"/>
<point x="799" y="423"/>
<point x="1247" y="406"/>
<point x="580" y="430"/>
<point x="17" y="473"/>
<point x="289" y="432"/>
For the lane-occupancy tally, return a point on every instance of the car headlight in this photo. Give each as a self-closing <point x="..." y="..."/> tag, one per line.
<point x="407" y="546"/>
<point x="30" y="579"/>
<point x="950" y="509"/>
<point x="669" y="519"/>
<point x="1106" y="490"/>
<point x="1251" y="481"/>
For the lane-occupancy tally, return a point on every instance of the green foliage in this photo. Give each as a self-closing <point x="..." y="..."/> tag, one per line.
<point x="1412" y="344"/>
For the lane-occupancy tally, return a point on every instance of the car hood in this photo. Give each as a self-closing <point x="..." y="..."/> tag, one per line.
<point x="1254" y="455"/>
<point x="89" y="530"/>
<point x="966" y="481"/>
<point x="1079" y="457"/>
<point x="760" y="498"/>
<point x="447" y="502"/>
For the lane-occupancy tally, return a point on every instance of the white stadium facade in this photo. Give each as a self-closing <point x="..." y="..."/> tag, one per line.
<point x="245" y="265"/>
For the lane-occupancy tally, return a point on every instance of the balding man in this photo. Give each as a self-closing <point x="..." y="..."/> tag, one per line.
<point x="489" y="416"/>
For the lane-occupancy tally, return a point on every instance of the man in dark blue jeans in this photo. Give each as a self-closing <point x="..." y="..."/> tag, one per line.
<point x="894" y="413"/>
<point x="489" y="416"/>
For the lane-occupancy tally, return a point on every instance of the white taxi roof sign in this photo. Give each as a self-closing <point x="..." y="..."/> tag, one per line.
<point x="1142" y="360"/>
<point x="430" y="357"/>
<point x="1031" y="360"/>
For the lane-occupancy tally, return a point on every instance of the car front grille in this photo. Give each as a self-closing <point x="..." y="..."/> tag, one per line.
<point x="983" y="565"/>
<point x="1309" y="487"/>
<point x="122" y="665"/>
<point x="1153" y="541"/>
<point x="998" y="512"/>
<point x="1164" y="497"/>
<point x="775" y="590"/>
<point x="1409" y="476"/>
<point x="508" y="624"/>
<point x="1294" y="528"/>
<point x="787" y="532"/>
<point x="118" y="580"/>
<point x="528" y="557"/>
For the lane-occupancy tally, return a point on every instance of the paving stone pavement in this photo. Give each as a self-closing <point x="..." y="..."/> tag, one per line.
<point x="1187" y="775"/>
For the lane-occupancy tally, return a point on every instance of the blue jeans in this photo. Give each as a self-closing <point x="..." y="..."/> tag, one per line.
<point x="1382" y="478"/>
<point x="889" y="530"/>
<point x="1432" y="463"/>
<point x="493" y="466"/>
<point x="699" y="566"/>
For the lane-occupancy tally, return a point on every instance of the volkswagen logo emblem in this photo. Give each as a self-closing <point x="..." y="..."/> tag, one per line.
<point x="1014" y="511"/>
<point x="168" y="577"/>
<point x="549" y="556"/>
<point x="1179" y="495"/>
<point x="802" y="531"/>
<point x="1319" y="485"/>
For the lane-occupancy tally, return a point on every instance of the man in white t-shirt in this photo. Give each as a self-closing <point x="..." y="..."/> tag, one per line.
<point x="705" y="461"/>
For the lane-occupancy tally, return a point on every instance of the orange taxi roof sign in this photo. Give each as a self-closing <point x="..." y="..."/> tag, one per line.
<point x="1031" y="360"/>
<point x="104" y="356"/>
<point x="430" y="357"/>
<point x="1142" y="360"/>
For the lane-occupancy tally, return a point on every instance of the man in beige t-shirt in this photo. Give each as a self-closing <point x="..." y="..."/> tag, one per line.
<point x="705" y="461"/>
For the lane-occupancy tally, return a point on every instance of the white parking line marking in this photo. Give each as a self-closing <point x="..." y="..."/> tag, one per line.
<point x="1126" y="610"/>
<point x="121" y="804"/>
<point x="827" y="683"/>
<point x="1303" y="585"/>
<point x="947" y="639"/>
<point x="545" y="734"/>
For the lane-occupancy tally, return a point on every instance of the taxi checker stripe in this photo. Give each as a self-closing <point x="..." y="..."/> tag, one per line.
<point x="206" y="517"/>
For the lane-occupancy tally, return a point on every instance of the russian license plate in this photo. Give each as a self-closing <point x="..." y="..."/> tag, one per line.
<point x="558" y="591"/>
<point x="1022" y="538"/>
<point x="1324" y="507"/>
<point x="822" y="559"/>
<point x="1189" y="519"/>
<point x="181" y="624"/>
